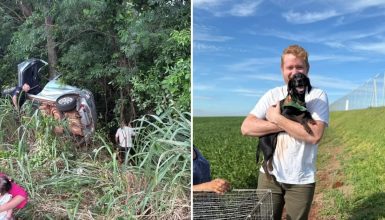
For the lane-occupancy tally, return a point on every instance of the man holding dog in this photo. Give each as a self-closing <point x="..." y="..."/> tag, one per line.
<point x="294" y="160"/>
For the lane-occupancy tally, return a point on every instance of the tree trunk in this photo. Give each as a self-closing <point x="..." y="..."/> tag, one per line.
<point x="132" y="105"/>
<point x="25" y="9"/>
<point x="125" y="95"/>
<point x="52" y="55"/>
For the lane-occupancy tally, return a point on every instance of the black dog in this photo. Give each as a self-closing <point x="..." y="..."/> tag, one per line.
<point x="293" y="107"/>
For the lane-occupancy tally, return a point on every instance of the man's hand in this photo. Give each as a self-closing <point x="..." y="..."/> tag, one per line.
<point x="26" y="87"/>
<point x="273" y="113"/>
<point x="219" y="186"/>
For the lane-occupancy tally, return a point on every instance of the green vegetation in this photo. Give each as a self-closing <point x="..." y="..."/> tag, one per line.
<point x="352" y="153"/>
<point x="361" y="135"/>
<point x="135" y="58"/>
<point x="231" y="155"/>
<point x="65" y="181"/>
<point x="133" y="55"/>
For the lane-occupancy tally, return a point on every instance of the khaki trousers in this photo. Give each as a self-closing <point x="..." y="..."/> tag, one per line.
<point x="296" y="197"/>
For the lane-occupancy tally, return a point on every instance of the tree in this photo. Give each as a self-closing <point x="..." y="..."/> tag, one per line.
<point x="133" y="55"/>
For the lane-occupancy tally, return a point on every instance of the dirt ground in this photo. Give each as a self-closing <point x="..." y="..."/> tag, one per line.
<point x="328" y="177"/>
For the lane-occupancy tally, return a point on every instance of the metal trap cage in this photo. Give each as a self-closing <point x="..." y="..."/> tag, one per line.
<point x="248" y="204"/>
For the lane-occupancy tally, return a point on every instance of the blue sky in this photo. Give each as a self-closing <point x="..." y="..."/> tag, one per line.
<point x="237" y="46"/>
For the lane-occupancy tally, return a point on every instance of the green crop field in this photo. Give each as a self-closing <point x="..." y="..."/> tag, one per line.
<point x="351" y="164"/>
<point x="232" y="156"/>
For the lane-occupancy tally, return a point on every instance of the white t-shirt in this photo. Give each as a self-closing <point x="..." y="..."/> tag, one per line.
<point x="124" y="134"/>
<point x="4" y="199"/>
<point x="294" y="160"/>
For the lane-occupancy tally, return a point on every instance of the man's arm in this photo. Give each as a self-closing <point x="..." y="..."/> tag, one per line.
<point x="253" y="126"/>
<point x="117" y="137"/>
<point x="295" y="129"/>
<point x="14" y="101"/>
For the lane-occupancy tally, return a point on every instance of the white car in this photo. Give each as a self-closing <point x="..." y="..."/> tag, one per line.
<point x="59" y="100"/>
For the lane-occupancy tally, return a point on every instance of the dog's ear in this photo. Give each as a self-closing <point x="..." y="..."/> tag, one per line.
<point x="309" y="87"/>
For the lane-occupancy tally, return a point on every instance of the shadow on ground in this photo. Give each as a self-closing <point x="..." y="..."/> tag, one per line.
<point x="371" y="207"/>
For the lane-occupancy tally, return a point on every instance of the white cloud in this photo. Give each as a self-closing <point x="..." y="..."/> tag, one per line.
<point x="205" y="47"/>
<point x="202" y="87"/>
<point x="253" y="64"/>
<point x="335" y="58"/>
<point x="206" y="3"/>
<point x="205" y="33"/>
<point x="340" y="21"/>
<point x="325" y="82"/>
<point x="378" y="47"/>
<point x="335" y="44"/>
<point x="199" y="36"/>
<point x="220" y="8"/>
<point x="228" y="78"/>
<point x="299" y="12"/>
<point x="274" y="77"/>
<point x="202" y="98"/>
<point x="249" y="92"/>
<point x="244" y="9"/>
<point x="354" y="6"/>
<point x="308" y="17"/>
<point x="342" y="39"/>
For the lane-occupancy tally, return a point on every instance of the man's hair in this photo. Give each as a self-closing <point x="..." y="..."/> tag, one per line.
<point x="5" y="185"/>
<point x="123" y="123"/>
<point x="298" y="52"/>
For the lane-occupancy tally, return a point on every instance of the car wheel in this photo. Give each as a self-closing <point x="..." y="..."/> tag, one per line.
<point x="66" y="102"/>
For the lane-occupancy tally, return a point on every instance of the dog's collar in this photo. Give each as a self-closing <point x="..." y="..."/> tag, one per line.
<point x="295" y="105"/>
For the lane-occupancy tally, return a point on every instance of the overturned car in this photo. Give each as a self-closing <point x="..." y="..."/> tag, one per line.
<point x="63" y="102"/>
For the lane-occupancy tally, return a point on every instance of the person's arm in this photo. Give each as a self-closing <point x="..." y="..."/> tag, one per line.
<point x="15" y="97"/>
<point x="117" y="136"/>
<point x="253" y="126"/>
<point x="295" y="129"/>
<point x="217" y="185"/>
<point x="14" y="101"/>
<point x="15" y="201"/>
<point x="9" y="214"/>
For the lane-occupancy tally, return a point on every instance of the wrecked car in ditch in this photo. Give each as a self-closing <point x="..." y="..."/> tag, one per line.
<point x="63" y="102"/>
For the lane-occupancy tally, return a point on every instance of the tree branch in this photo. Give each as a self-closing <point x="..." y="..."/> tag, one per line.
<point x="13" y="11"/>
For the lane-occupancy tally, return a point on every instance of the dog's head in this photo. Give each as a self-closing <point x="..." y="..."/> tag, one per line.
<point x="297" y="87"/>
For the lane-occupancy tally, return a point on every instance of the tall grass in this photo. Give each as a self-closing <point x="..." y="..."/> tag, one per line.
<point x="68" y="182"/>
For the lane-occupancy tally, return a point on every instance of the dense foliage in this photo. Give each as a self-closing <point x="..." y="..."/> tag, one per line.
<point x="133" y="55"/>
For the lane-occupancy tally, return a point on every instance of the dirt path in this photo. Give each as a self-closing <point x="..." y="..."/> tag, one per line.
<point x="329" y="176"/>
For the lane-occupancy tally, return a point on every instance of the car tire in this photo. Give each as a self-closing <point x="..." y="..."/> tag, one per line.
<point x="66" y="102"/>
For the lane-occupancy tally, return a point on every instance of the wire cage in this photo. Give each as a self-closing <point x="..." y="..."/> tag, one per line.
<point x="248" y="204"/>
